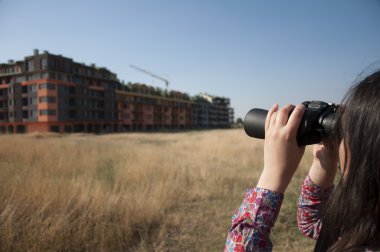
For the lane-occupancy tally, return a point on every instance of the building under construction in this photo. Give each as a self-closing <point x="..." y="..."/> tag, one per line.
<point x="52" y="93"/>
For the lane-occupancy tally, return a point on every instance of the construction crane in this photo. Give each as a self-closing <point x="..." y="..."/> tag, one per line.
<point x="152" y="74"/>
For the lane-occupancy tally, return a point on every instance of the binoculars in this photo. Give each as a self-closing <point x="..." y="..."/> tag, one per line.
<point x="321" y="120"/>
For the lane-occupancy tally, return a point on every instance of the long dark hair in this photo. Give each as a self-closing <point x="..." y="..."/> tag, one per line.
<point x="352" y="218"/>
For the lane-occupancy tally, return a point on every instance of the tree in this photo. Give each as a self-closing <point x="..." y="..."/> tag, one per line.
<point x="239" y="122"/>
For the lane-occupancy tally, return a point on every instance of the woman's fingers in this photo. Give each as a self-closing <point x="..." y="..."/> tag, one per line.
<point x="283" y="115"/>
<point x="295" y="119"/>
<point x="271" y="114"/>
<point x="280" y="118"/>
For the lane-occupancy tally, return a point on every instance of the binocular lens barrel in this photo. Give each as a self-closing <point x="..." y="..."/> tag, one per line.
<point x="254" y="123"/>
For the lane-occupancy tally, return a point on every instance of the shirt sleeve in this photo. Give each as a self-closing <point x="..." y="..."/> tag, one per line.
<point x="252" y="222"/>
<point x="310" y="204"/>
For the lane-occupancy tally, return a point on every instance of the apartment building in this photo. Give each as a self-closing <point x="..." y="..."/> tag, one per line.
<point x="142" y="107"/>
<point x="52" y="93"/>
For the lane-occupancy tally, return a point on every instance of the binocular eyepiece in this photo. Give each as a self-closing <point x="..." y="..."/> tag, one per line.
<point x="321" y="120"/>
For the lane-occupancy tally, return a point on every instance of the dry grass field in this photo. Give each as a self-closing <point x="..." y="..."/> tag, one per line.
<point x="133" y="192"/>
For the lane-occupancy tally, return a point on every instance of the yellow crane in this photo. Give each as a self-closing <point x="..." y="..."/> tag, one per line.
<point x="152" y="74"/>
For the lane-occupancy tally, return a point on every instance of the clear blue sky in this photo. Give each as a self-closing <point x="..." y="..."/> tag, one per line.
<point x="256" y="52"/>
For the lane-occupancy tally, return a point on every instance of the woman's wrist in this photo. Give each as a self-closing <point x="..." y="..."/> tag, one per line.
<point x="273" y="180"/>
<point x="322" y="176"/>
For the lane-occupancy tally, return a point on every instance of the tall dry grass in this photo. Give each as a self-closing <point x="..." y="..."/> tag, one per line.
<point x="132" y="192"/>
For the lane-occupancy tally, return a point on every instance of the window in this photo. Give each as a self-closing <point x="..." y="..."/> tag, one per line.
<point x="33" y="113"/>
<point x="49" y="112"/>
<point x="3" y="116"/>
<point x="67" y="129"/>
<point x="24" y="89"/>
<point x="72" y="114"/>
<point x="25" y="114"/>
<point x="54" y="128"/>
<point x="32" y="101"/>
<point x="30" y="65"/>
<point x="44" y="63"/>
<point x="24" y="102"/>
<point x="77" y="80"/>
<point x="36" y="76"/>
<point x="71" y="90"/>
<point x="20" y="79"/>
<point x="47" y="86"/>
<point x="47" y="99"/>
<point x="32" y="87"/>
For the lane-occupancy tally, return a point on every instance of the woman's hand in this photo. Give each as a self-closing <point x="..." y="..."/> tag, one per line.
<point x="325" y="164"/>
<point x="281" y="151"/>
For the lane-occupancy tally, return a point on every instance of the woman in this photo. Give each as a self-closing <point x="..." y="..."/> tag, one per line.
<point x="350" y="216"/>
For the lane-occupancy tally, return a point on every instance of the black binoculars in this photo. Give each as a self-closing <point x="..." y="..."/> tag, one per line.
<point x="321" y="120"/>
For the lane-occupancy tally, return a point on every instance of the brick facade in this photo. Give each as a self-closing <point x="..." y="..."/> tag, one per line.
<point x="52" y="93"/>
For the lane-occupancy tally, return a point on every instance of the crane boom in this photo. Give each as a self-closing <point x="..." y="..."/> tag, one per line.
<point x="151" y="74"/>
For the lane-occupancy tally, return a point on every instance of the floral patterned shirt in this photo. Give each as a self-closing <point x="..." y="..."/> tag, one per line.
<point x="252" y="222"/>
<point x="310" y="202"/>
